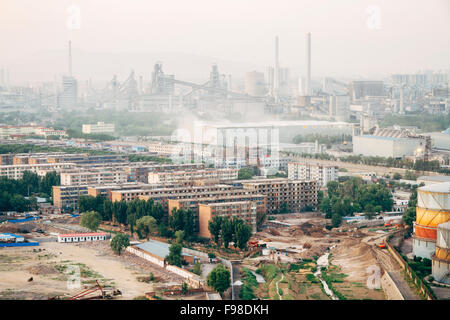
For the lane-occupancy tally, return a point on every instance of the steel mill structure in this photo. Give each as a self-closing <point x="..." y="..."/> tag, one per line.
<point x="433" y="209"/>
<point x="441" y="257"/>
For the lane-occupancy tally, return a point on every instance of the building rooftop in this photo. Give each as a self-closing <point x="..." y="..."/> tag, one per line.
<point x="157" y="248"/>
<point x="437" y="187"/>
<point x="439" y="178"/>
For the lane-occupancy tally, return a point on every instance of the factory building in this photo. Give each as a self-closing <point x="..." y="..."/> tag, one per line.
<point x="433" y="209"/>
<point x="254" y="84"/>
<point x="340" y="107"/>
<point x="361" y="89"/>
<point x="389" y="143"/>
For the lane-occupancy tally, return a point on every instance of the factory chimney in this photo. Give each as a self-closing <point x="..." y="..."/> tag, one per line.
<point x="70" y="58"/>
<point x="308" y="64"/>
<point x="276" y="76"/>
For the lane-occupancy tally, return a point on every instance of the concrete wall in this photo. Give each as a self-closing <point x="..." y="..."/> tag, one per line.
<point x="192" y="279"/>
<point x="389" y="288"/>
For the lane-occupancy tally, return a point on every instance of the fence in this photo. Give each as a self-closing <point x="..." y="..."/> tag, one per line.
<point x="418" y="283"/>
<point x="192" y="279"/>
<point x="19" y="244"/>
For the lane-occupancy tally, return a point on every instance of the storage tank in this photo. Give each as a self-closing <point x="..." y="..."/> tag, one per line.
<point x="433" y="209"/>
<point x="441" y="258"/>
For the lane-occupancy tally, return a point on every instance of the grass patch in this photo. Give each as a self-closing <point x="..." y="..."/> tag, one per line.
<point x="269" y="271"/>
<point x="249" y="282"/>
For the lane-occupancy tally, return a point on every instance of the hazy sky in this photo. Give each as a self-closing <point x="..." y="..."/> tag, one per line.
<point x="347" y="36"/>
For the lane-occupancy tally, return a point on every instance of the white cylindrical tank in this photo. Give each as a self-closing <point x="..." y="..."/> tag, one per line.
<point x="435" y="196"/>
<point x="441" y="258"/>
<point x="433" y="209"/>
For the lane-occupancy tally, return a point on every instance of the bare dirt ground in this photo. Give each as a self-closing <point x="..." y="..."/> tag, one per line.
<point x="17" y="265"/>
<point x="353" y="258"/>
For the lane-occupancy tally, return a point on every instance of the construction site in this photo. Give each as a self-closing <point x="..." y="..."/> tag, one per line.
<point x="294" y="258"/>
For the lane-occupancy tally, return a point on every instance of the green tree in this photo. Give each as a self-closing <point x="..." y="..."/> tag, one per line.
<point x="215" y="226"/>
<point x="397" y="176"/>
<point x="119" y="242"/>
<point x="197" y="269"/>
<point x="174" y="256"/>
<point x="145" y="226"/>
<point x="179" y="235"/>
<point x="245" y="173"/>
<point x="90" y="220"/>
<point x="219" y="279"/>
<point x="227" y="232"/>
<point x="409" y="216"/>
<point x="243" y="234"/>
<point x="336" y="220"/>
<point x="184" y="288"/>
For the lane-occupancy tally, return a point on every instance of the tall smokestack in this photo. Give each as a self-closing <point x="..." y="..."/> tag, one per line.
<point x="276" y="76"/>
<point x="308" y="64"/>
<point x="70" y="58"/>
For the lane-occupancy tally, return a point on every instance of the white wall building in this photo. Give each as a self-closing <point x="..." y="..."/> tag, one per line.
<point x="100" y="127"/>
<point x="304" y="171"/>
<point x="378" y="146"/>
<point x="81" y="237"/>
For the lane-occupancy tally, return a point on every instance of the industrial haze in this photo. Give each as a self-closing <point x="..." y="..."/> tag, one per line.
<point x="224" y="150"/>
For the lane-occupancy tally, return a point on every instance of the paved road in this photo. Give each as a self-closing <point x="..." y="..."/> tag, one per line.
<point x="236" y="277"/>
<point x="394" y="270"/>
<point x="403" y="286"/>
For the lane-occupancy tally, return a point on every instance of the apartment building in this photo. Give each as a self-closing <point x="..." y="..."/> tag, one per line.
<point x="29" y="130"/>
<point x="193" y="204"/>
<point x="210" y="174"/>
<point x="16" y="171"/>
<point x="294" y="195"/>
<point x="99" y="128"/>
<point x="166" y="192"/>
<point x="67" y="196"/>
<point x="84" y="158"/>
<point x="305" y="171"/>
<point x="79" y="177"/>
<point x="245" y="210"/>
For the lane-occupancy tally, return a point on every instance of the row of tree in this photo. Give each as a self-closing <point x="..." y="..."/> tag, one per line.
<point x="227" y="230"/>
<point x="418" y="165"/>
<point x="353" y="196"/>
<point x="145" y="217"/>
<point x="19" y="195"/>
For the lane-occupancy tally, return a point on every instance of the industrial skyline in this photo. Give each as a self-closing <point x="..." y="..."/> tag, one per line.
<point x="349" y="40"/>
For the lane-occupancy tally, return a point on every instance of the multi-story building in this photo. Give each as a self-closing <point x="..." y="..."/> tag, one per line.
<point x="68" y="97"/>
<point x="292" y="195"/>
<point x="245" y="210"/>
<point x="79" y="177"/>
<point x="99" y="128"/>
<point x="319" y="172"/>
<point x="67" y="196"/>
<point x="340" y="107"/>
<point x="16" y="171"/>
<point x="172" y="176"/>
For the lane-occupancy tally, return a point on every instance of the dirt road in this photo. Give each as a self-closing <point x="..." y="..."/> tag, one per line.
<point x="14" y="284"/>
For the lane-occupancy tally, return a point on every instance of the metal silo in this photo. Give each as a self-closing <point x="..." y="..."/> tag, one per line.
<point x="433" y="208"/>
<point x="441" y="258"/>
